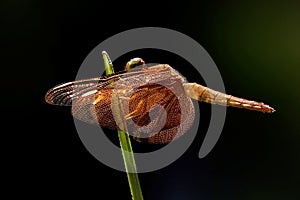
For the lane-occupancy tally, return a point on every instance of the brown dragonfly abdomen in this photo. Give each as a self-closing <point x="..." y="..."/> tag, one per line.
<point x="208" y="95"/>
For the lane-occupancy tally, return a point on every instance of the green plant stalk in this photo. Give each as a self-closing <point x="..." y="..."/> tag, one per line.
<point x="125" y="144"/>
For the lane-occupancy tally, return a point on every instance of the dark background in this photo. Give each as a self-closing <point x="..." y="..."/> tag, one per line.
<point x="256" y="47"/>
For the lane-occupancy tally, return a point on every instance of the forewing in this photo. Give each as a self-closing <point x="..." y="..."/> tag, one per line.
<point x="65" y="93"/>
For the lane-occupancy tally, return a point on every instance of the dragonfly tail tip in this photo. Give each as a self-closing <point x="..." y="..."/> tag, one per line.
<point x="270" y="109"/>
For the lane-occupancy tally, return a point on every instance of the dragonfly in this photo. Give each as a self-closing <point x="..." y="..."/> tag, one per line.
<point x="141" y="88"/>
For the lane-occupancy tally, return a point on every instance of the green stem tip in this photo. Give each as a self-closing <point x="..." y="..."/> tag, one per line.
<point x="127" y="152"/>
<point x="109" y="69"/>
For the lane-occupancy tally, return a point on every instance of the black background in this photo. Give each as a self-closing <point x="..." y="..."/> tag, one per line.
<point x="256" y="47"/>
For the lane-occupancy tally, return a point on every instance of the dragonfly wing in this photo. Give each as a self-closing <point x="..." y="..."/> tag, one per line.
<point x="95" y="108"/>
<point x="168" y="120"/>
<point x="65" y="93"/>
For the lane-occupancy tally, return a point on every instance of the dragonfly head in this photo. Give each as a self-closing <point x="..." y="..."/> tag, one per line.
<point x="134" y="63"/>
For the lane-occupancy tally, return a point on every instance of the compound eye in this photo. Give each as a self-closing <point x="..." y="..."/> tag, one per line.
<point x="134" y="63"/>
